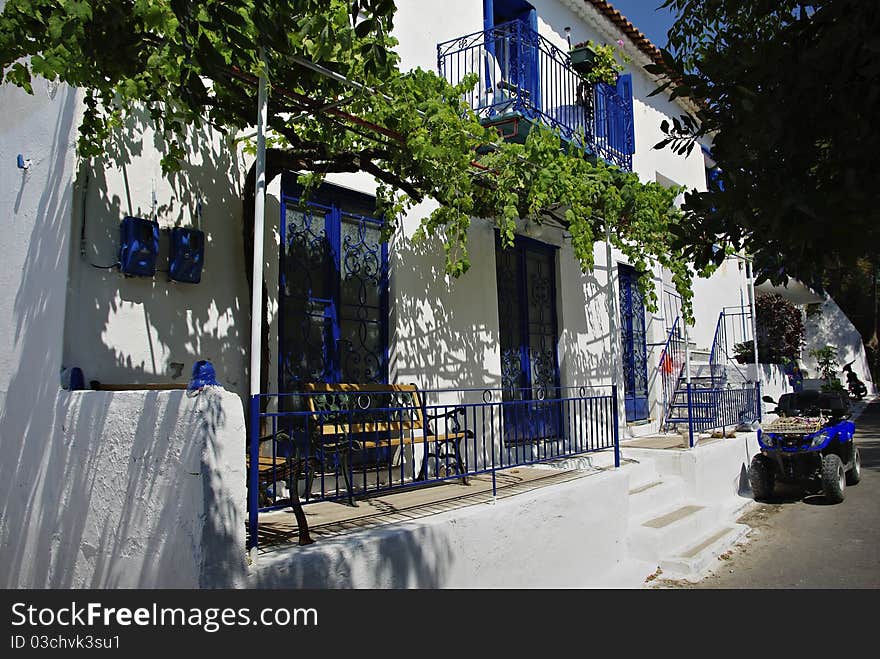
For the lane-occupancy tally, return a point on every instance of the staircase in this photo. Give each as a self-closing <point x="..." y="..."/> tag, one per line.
<point x="670" y="530"/>
<point x="710" y="369"/>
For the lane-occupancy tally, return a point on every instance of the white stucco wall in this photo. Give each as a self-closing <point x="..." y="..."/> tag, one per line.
<point x="140" y="489"/>
<point x="131" y="330"/>
<point x="504" y="545"/>
<point x="727" y="287"/>
<point x="832" y="327"/>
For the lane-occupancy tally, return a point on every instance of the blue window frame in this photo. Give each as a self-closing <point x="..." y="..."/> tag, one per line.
<point x="333" y="289"/>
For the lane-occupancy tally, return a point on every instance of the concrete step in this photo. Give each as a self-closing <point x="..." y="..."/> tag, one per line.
<point x="641" y="471"/>
<point x="653" y="498"/>
<point x="658" y="535"/>
<point x="694" y="560"/>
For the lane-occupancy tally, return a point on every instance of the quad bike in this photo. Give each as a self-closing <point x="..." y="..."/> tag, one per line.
<point x="810" y="443"/>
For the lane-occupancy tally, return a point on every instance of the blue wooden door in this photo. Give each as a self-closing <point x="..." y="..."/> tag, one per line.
<point x="528" y="341"/>
<point x="632" y="338"/>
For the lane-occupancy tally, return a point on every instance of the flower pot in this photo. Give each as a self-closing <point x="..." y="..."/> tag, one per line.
<point x="582" y="59"/>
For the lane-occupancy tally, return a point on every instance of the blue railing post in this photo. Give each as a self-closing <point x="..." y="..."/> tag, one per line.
<point x="690" y="417"/>
<point x="616" y="427"/>
<point x="254" y="472"/>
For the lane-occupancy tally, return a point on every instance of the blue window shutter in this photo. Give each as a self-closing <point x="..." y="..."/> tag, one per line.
<point x="627" y="128"/>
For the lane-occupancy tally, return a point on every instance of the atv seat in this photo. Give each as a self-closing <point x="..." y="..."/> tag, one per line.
<point x="808" y="403"/>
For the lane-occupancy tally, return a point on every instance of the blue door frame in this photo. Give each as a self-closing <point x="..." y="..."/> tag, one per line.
<point x="634" y="344"/>
<point x="526" y="282"/>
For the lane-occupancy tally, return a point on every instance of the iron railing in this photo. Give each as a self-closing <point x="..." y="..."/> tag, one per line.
<point x="722" y="407"/>
<point x="521" y="74"/>
<point x="347" y="447"/>
<point x="671" y="366"/>
<point x="733" y="326"/>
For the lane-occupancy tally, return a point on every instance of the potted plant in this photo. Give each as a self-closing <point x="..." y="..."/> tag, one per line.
<point x="582" y="57"/>
<point x="598" y="62"/>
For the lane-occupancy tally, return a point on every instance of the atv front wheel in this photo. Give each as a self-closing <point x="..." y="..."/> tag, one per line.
<point x="762" y="478"/>
<point x="854" y="475"/>
<point x="833" y="478"/>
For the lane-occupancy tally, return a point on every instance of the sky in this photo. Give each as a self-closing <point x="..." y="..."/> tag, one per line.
<point x="644" y="15"/>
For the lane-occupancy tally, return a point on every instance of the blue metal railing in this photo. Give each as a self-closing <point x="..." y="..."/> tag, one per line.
<point x="523" y="75"/>
<point x="722" y="407"/>
<point x="348" y="448"/>
<point x="732" y="326"/>
<point x="671" y="365"/>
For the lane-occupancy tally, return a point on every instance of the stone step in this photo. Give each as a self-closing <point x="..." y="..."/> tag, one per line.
<point x="694" y="560"/>
<point x="658" y="535"/>
<point x="653" y="498"/>
<point x="641" y="471"/>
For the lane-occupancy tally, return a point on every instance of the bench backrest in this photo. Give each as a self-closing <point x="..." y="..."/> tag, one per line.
<point x="362" y="408"/>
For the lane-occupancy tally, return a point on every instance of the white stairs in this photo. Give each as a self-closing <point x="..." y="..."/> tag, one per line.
<point x="681" y="536"/>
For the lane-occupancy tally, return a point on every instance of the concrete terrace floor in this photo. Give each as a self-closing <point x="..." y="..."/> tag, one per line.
<point x="278" y="529"/>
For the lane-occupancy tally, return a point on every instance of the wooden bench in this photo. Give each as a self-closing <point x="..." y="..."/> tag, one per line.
<point x="345" y="422"/>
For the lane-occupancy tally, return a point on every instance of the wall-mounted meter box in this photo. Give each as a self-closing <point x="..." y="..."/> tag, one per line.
<point x="186" y="255"/>
<point x="138" y="246"/>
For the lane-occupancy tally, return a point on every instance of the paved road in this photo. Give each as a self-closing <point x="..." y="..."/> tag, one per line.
<point x="799" y="541"/>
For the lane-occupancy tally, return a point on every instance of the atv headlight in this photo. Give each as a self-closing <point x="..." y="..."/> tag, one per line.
<point x="767" y="440"/>
<point x="819" y="438"/>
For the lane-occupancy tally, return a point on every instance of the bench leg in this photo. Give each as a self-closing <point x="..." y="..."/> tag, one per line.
<point x="461" y="466"/>
<point x="302" y="524"/>
<point x="423" y="472"/>
<point x="346" y="459"/>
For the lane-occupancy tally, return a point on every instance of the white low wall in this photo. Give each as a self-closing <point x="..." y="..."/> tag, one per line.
<point x="715" y="473"/>
<point x="566" y="535"/>
<point x="131" y="489"/>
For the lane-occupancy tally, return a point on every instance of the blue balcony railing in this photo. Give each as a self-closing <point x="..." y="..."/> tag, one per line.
<point x="523" y="79"/>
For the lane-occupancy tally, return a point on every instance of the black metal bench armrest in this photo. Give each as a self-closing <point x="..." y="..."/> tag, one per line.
<point x="447" y="414"/>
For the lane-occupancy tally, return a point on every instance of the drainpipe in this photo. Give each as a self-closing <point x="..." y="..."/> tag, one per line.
<point x="750" y="276"/>
<point x="259" y="219"/>
<point x="257" y="307"/>
<point x="612" y="324"/>
<point x="687" y="375"/>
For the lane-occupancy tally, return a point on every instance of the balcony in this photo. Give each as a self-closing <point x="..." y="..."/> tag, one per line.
<point x="523" y="79"/>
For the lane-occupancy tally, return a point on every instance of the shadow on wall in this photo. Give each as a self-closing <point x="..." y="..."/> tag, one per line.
<point x="442" y="330"/>
<point x="27" y="425"/>
<point x="417" y="558"/>
<point x="128" y="496"/>
<point x="585" y="356"/>
<point x="123" y="330"/>
<point x="830" y="326"/>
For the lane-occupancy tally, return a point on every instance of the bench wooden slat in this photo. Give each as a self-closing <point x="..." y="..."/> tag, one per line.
<point x="337" y="428"/>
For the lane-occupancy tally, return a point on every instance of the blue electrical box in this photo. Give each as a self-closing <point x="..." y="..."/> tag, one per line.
<point x="138" y="246"/>
<point x="187" y="255"/>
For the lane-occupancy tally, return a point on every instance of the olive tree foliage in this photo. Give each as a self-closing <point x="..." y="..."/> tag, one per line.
<point x="788" y="96"/>
<point x="195" y="63"/>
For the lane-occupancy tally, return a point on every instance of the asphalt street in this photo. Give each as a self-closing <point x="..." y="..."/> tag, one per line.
<point x="798" y="540"/>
